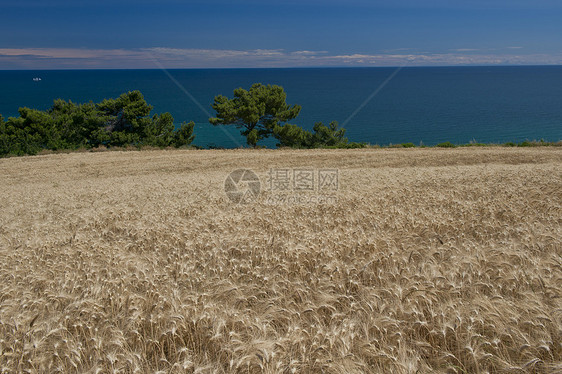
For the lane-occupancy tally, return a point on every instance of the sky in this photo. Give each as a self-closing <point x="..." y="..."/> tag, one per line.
<point x="130" y="34"/>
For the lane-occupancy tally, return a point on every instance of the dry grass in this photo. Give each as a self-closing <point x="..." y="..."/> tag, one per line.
<point x="432" y="260"/>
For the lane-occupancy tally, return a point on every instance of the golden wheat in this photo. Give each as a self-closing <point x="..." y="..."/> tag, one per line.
<point x="446" y="261"/>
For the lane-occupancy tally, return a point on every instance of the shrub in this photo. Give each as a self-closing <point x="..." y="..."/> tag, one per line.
<point x="331" y="136"/>
<point x="184" y="135"/>
<point x="446" y="145"/>
<point x="120" y="122"/>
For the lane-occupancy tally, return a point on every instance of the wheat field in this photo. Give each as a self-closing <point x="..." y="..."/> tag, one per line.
<point x="427" y="261"/>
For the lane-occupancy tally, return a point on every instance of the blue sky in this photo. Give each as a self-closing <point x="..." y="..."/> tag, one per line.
<point x="57" y="34"/>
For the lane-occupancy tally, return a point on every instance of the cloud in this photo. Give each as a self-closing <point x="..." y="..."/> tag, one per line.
<point x="55" y="53"/>
<point x="308" y="53"/>
<point x="69" y="58"/>
<point x="210" y="53"/>
<point x="464" y="50"/>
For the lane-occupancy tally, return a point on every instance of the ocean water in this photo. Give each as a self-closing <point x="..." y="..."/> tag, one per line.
<point x="425" y="105"/>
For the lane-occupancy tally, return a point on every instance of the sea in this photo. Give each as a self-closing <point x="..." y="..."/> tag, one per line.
<point x="385" y="105"/>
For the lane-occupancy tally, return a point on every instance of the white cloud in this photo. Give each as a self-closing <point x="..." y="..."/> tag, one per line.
<point x="464" y="50"/>
<point x="308" y="53"/>
<point x="77" y="53"/>
<point x="65" y="58"/>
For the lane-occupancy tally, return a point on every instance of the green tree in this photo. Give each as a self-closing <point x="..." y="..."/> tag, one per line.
<point x="328" y="136"/>
<point x="159" y="132"/>
<point x="184" y="135"/>
<point x="17" y="141"/>
<point x="292" y="136"/>
<point x="77" y="122"/>
<point x="255" y="112"/>
<point x="113" y="122"/>
<point x="127" y="118"/>
<point x="6" y="139"/>
<point x="331" y="136"/>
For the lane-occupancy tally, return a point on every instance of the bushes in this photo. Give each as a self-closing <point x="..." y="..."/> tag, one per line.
<point x="184" y="135"/>
<point x="32" y="131"/>
<point x="402" y="145"/>
<point x="292" y="136"/>
<point x="446" y="145"/>
<point x="331" y="136"/>
<point x="124" y="121"/>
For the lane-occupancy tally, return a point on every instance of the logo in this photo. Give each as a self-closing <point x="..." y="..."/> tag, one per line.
<point x="242" y="186"/>
<point x="284" y="186"/>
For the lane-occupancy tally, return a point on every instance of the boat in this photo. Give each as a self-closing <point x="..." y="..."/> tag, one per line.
<point x="36" y="79"/>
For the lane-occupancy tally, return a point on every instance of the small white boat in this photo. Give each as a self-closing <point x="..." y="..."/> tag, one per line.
<point x="36" y="79"/>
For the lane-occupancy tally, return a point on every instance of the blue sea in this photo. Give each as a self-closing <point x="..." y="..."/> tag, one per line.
<point x="425" y="105"/>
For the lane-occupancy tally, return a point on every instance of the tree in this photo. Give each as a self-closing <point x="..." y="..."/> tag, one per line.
<point x="292" y="136"/>
<point x="160" y="131"/>
<point x="184" y="135"/>
<point x="6" y="138"/>
<point x="113" y="122"/>
<point x="256" y="111"/>
<point x="77" y="123"/>
<point x="331" y="136"/>
<point x="328" y="136"/>
<point x="128" y="117"/>
<point x="129" y="111"/>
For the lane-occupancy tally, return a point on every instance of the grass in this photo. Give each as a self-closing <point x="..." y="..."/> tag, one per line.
<point x="431" y="260"/>
<point x="473" y="143"/>
<point x="352" y="145"/>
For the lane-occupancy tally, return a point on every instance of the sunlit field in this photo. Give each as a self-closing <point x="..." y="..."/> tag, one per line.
<point x="422" y="260"/>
